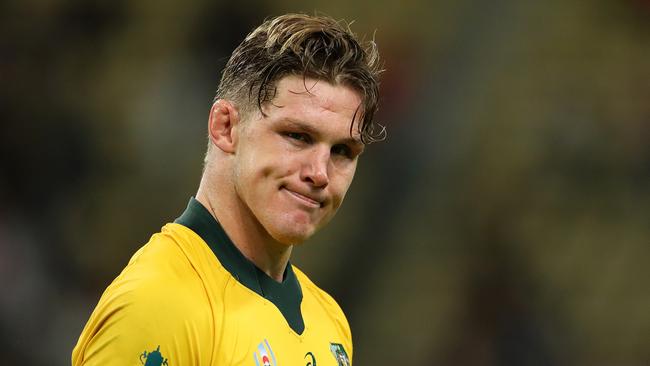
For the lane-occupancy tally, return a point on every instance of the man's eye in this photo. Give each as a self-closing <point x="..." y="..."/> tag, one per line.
<point x="343" y="150"/>
<point x="298" y="136"/>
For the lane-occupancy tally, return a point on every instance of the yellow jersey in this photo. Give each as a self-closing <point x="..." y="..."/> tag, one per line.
<point x="189" y="297"/>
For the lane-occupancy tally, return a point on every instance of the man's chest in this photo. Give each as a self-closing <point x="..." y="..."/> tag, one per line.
<point x="251" y="331"/>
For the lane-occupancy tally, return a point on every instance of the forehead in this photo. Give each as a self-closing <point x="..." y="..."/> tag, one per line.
<point x="316" y="102"/>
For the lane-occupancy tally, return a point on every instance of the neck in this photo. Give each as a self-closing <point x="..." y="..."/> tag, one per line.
<point x="248" y="235"/>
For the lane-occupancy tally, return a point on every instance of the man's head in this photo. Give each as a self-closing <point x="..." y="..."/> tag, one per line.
<point x="316" y="47"/>
<point x="293" y="113"/>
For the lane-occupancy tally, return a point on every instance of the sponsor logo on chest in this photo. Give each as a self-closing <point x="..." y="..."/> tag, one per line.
<point x="264" y="356"/>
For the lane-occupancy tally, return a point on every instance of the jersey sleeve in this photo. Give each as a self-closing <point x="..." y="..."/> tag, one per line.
<point x="155" y="313"/>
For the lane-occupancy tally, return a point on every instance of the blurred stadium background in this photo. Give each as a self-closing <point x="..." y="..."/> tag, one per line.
<point x="505" y="221"/>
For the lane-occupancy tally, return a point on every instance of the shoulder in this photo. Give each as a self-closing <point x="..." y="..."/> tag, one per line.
<point x="160" y="271"/>
<point x="157" y="304"/>
<point x="157" y="270"/>
<point x="308" y="285"/>
<point x="325" y="301"/>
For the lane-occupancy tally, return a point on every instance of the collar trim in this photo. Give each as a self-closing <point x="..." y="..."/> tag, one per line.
<point x="286" y="296"/>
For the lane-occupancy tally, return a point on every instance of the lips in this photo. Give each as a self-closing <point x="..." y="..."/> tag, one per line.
<point x="307" y="200"/>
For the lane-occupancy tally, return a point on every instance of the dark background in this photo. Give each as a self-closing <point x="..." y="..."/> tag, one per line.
<point x="504" y="222"/>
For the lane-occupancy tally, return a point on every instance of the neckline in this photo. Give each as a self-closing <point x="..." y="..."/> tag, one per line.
<point x="285" y="295"/>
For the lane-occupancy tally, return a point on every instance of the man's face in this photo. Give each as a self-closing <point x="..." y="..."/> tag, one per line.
<point x="293" y="167"/>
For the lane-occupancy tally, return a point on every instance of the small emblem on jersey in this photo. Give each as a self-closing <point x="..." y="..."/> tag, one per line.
<point x="311" y="360"/>
<point x="264" y="356"/>
<point x="153" y="358"/>
<point x="339" y="354"/>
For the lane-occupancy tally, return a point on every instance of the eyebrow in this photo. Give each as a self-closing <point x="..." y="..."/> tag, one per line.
<point x="311" y="130"/>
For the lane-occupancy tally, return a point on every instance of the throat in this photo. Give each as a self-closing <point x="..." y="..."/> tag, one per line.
<point x="271" y="259"/>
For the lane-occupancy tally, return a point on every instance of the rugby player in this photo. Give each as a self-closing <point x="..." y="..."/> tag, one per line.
<point x="293" y="113"/>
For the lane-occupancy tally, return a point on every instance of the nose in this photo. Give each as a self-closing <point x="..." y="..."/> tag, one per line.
<point x="314" y="171"/>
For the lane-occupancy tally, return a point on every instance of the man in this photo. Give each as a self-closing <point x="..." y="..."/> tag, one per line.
<point x="292" y="115"/>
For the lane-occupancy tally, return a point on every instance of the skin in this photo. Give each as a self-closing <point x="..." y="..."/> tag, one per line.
<point x="273" y="180"/>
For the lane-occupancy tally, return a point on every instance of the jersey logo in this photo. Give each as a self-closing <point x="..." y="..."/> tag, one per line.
<point x="153" y="358"/>
<point x="339" y="354"/>
<point x="311" y="362"/>
<point x="264" y="355"/>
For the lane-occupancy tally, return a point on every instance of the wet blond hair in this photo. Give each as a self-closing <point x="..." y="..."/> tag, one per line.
<point x="315" y="46"/>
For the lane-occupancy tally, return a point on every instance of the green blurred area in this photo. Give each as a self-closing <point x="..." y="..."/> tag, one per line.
<point x="503" y="222"/>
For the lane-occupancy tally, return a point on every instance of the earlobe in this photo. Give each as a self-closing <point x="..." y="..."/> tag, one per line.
<point x="222" y="124"/>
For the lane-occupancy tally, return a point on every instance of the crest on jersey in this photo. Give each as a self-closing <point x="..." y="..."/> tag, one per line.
<point x="264" y="355"/>
<point x="339" y="354"/>
<point x="153" y="358"/>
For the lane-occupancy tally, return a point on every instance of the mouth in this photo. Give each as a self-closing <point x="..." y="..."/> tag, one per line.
<point x="308" y="201"/>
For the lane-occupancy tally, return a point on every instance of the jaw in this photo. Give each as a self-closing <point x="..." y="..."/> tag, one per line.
<point x="296" y="221"/>
<point x="293" y="227"/>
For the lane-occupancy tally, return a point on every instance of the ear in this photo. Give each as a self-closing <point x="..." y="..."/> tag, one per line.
<point x="222" y="123"/>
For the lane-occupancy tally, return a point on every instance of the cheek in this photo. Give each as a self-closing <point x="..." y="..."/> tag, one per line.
<point x="278" y="167"/>
<point x="340" y="187"/>
<point x="260" y="166"/>
<point x="266" y="172"/>
<point x="273" y="169"/>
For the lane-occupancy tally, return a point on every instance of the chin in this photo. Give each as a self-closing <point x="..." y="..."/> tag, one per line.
<point x="291" y="228"/>
<point x="294" y="235"/>
<point x="292" y="238"/>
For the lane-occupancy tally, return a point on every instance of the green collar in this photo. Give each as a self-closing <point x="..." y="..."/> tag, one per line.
<point x="286" y="296"/>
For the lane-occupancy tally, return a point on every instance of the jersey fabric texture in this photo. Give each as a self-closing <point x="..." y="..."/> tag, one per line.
<point x="189" y="297"/>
